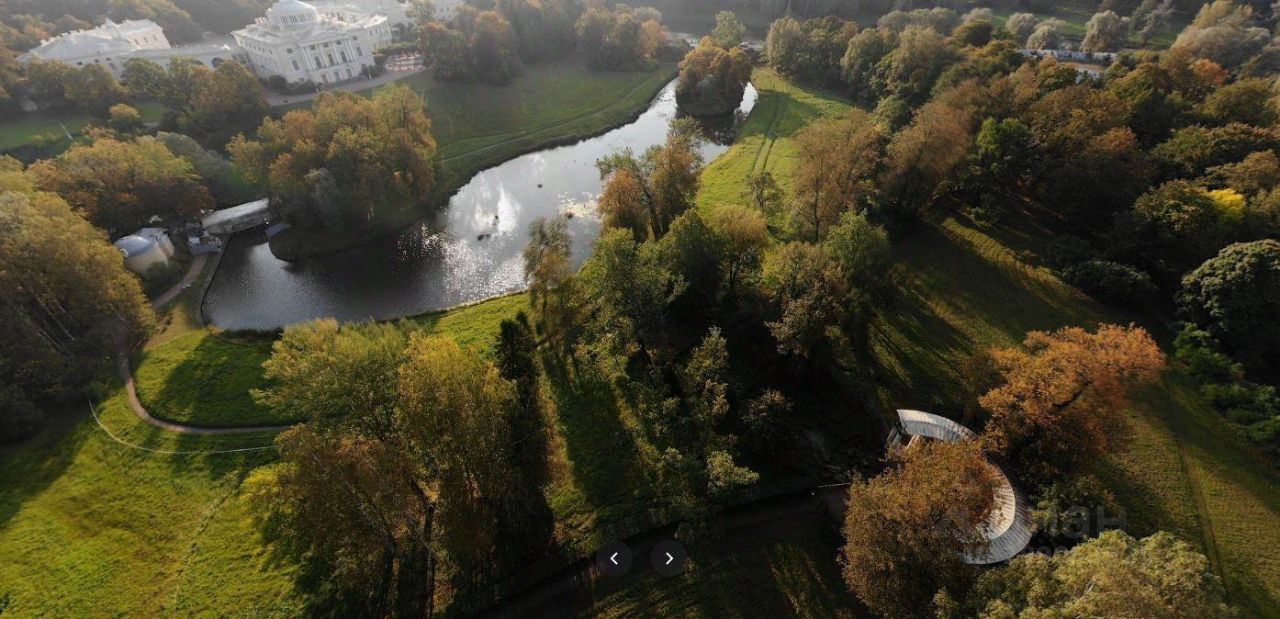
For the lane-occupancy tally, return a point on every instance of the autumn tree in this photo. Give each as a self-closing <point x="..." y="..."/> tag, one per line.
<point x="838" y="163"/>
<point x="745" y="236"/>
<point x="454" y="415"/>
<point x="357" y="510"/>
<point x="121" y="185"/>
<point x="66" y="298"/>
<point x="1062" y="396"/>
<point x="1112" y="575"/>
<point x="646" y="193"/>
<point x="336" y="165"/>
<point x="712" y="79"/>
<point x="906" y="531"/>
<point x="921" y="157"/>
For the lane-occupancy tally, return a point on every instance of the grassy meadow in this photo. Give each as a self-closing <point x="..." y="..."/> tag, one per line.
<point x="21" y="129"/>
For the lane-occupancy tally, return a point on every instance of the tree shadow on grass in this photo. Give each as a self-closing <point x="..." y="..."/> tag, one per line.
<point x="210" y="386"/>
<point x="600" y="450"/>
<point x="27" y="468"/>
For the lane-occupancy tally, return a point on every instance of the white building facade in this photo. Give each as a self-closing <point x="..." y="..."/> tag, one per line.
<point x="300" y="42"/>
<point x="112" y="44"/>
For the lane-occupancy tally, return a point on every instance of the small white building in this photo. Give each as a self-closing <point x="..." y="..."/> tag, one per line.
<point x="299" y="42"/>
<point x="145" y="249"/>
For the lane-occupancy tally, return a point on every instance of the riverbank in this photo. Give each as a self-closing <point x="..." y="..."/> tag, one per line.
<point x="478" y="126"/>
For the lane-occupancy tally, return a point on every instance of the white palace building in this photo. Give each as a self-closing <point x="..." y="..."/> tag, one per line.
<point x="325" y="45"/>
<point x="327" y="42"/>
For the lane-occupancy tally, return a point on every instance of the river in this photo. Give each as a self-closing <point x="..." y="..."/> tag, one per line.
<point x="469" y="251"/>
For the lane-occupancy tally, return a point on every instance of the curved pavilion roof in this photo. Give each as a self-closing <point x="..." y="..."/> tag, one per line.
<point x="1008" y="527"/>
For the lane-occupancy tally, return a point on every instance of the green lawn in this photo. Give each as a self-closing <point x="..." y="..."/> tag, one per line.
<point x="766" y="141"/>
<point x="479" y="126"/>
<point x="90" y="527"/>
<point x="202" y="378"/>
<point x="22" y="128"/>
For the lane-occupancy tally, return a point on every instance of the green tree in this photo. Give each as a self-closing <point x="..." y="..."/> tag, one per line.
<point x="1112" y="575"/>
<point x="808" y="294"/>
<point x="695" y="252"/>
<point x="335" y="375"/>
<point x="1021" y="25"/>
<point x="629" y="290"/>
<point x="60" y="279"/>
<point x="492" y="49"/>
<point x="745" y="235"/>
<point x="95" y="90"/>
<point x="47" y="82"/>
<point x="860" y="250"/>
<point x="1247" y="101"/>
<point x="914" y="66"/>
<point x="454" y="414"/>
<point x="729" y="31"/>
<point x="1236" y="296"/>
<point x="1223" y="32"/>
<point x="1105" y="32"/>
<point x="548" y="271"/>
<point x="762" y="192"/>
<point x="861" y="65"/>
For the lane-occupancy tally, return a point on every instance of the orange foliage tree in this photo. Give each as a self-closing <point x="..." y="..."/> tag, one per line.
<point x="1062" y="395"/>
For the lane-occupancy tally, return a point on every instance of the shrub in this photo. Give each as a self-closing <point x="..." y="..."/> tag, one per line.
<point x="1110" y="281"/>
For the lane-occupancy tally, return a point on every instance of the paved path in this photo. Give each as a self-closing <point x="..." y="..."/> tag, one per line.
<point x="193" y="273"/>
<point x="126" y="374"/>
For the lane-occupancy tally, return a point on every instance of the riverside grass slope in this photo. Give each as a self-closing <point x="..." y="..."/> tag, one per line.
<point x="90" y="527"/>
<point x="964" y="289"/>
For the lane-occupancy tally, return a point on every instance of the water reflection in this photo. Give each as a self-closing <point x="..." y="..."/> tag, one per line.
<point x="467" y="252"/>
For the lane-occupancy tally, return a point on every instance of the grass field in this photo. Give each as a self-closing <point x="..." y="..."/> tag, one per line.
<point x="766" y="140"/>
<point x="90" y="527"/>
<point x="22" y="128"/>
<point x="201" y="378"/>
<point x="478" y="126"/>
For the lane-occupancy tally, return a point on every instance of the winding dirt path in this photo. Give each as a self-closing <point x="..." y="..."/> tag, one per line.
<point x="126" y="373"/>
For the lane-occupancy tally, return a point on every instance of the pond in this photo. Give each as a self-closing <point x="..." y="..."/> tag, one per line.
<point x="469" y="251"/>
